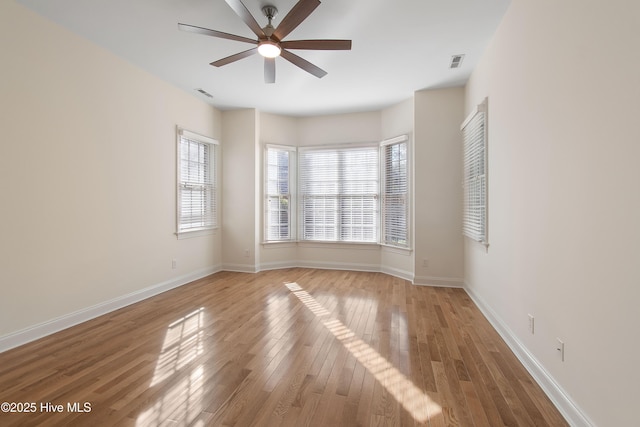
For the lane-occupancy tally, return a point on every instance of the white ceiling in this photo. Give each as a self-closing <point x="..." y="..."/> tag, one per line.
<point x="398" y="47"/>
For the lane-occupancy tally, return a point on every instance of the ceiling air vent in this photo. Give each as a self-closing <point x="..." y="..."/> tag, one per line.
<point x="205" y="93"/>
<point x="456" y="61"/>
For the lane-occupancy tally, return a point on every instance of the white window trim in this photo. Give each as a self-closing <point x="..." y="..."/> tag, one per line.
<point x="338" y="146"/>
<point x="481" y="237"/>
<point x="293" y="181"/>
<point x="328" y="244"/>
<point x="202" y="231"/>
<point x="383" y="144"/>
<point x="198" y="232"/>
<point x="395" y="140"/>
<point x="396" y="249"/>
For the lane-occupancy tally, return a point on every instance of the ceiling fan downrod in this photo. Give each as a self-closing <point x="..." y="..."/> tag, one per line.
<point x="270" y="12"/>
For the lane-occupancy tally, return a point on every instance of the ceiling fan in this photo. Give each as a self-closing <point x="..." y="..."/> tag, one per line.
<point x="269" y="43"/>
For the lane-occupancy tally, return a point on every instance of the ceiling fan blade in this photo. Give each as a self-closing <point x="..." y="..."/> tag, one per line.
<point x="241" y="10"/>
<point x="303" y="63"/>
<point x="214" y="33"/>
<point x="317" y="44"/>
<point x="234" y="58"/>
<point x="296" y="15"/>
<point x="269" y="70"/>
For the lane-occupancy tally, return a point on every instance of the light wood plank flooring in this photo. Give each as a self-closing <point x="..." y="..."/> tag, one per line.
<point x="291" y="347"/>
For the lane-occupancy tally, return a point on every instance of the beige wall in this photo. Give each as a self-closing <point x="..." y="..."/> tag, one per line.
<point x="239" y="190"/>
<point x="397" y="119"/>
<point x="438" y="191"/>
<point x="87" y="175"/>
<point x="563" y="88"/>
<point x="339" y="129"/>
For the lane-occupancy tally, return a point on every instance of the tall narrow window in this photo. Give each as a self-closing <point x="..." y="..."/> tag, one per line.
<point x="278" y="193"/>
<point x="197" y="191"/>
<point x="474" y="134"/>
<point x="395" y="192"/>
<point x="338" y="191"/>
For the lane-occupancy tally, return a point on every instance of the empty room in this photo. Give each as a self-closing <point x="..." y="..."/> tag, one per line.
<point x="325" y="213"/>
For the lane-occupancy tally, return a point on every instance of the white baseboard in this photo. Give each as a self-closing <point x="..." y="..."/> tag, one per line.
<point x="240" y="268"/>
<point x="279" y="265"/>
<point x="66" y="321"/>
<point x="396" y="272"/>
<point x="402" y="274"/>
<point x="63" y="322"/>
<point x="445" y="282"/>
<point x="339" y="266"/>
<point x="571" y="412"/>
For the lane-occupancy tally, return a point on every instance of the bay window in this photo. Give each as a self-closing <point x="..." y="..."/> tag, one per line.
<point x="355" y="193"/>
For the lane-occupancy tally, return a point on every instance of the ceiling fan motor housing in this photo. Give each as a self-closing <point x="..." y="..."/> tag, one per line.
<point x="270" y="11"/>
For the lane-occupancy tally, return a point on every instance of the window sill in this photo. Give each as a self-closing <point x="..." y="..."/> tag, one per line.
<point x="201" y="232"/>
<point x="336" y="245"/>
<point x="396" y="249"/>
<point x="479" y="242"/>
<point x="280" y="243"/>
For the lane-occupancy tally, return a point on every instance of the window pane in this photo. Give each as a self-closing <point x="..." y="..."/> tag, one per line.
<point x="278" y="206"/>
<point x="196" y="190"/>
<point x="474" y="180"/>
<point x="339" y="194"/>
<point x="394" y="201"/>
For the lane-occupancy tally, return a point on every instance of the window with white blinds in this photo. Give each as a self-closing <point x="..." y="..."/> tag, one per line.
<point x="279" y="169"/>
<point x="338" y="194"/>
<point x="197" y="182"/>
<point x="395" y="192"/>
<point x="474" y="134"/>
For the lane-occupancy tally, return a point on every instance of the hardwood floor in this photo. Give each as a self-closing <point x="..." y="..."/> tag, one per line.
<point x="289" y="347"/>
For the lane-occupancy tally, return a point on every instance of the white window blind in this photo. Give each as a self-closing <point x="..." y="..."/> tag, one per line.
<point x="197" y="180"/>
<point x="474" y="133"/>
<point x="395" y="192"/>
<point x="278" y="193"/>
<point x="338" y="194"/>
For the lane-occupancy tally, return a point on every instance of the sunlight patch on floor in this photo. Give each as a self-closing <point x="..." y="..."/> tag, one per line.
<point x="182" y="404"/>
<point x="183" y="342"/>
<point x="412" y="399"/>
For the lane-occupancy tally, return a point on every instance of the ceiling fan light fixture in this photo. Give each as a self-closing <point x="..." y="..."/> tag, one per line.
<point x="269" y="42"/>
<point x="269" y="49"/>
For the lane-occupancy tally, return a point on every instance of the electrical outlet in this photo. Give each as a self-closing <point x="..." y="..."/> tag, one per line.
<point x="246" y="253"/>
<point x="531" y="324"/>
<point x="174" y="264"/>
<point x="560" y="348"/>
<point x="425" y="263"/>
